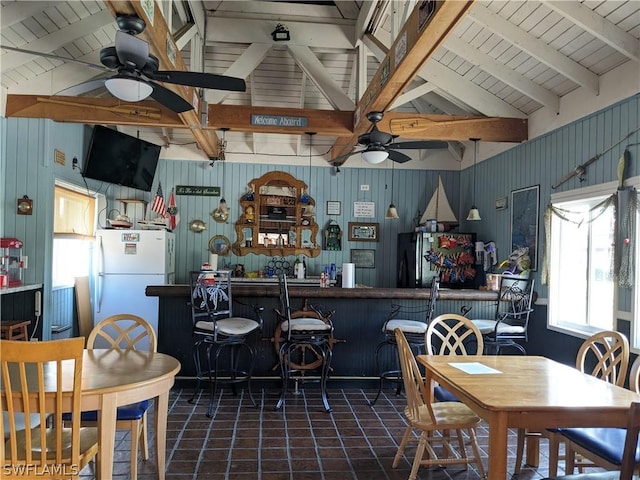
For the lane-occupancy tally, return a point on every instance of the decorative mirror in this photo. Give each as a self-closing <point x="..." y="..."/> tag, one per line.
<point x="219" y="244"/>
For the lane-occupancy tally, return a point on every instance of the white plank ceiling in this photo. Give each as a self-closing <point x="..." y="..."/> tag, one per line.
<point x="504" y="59"/>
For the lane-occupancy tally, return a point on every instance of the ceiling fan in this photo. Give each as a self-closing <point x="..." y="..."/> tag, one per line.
<point x="137" y="71"/>
<point x="379" y="145"/>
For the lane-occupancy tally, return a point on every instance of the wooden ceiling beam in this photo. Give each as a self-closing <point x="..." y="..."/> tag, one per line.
<point x="413" y="47"/>
<point x="162" y="45"/>
<point x="455" y="127"/>
<point x="238" y="118"/>
<point x="103" y="111"/>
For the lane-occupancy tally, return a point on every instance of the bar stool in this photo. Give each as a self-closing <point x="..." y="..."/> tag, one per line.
<point x="14" y="329"/>
<point x="305" y="342"/>
<point x="413" y="330"/>
<point x="217" y="330"/>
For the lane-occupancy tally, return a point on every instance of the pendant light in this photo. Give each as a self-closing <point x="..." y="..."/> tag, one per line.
<point x="474" y="214"/>
<point x="304" y="198"/>
<point x="392" y="212"/>
<point x="222" y="147"/>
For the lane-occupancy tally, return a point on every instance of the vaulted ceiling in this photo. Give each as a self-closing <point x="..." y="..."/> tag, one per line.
<point x="474" y="70"/>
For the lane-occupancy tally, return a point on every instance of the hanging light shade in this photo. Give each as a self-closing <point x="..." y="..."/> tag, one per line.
<point x="374" y="154"/>
<point x="392" y="212"/>
<point x="474" y="213"/>
<point x="128" y="88"/>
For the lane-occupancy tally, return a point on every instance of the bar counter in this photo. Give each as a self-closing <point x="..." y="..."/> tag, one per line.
<point x="264" y="289"/>
<point x="358" y="319"/>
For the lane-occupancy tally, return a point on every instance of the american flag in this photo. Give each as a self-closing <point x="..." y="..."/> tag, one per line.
<point x="158" y="203"/>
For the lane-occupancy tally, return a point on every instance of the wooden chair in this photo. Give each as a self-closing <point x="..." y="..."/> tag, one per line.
<point x="36" y="381"/>
<point x="604" y="355"/>
<point x="452" y="334"/>
<point x="601" y="446"/>
<point x="126" y="332"/>
<point x="443" y="417"/>
<point x="630" y="461"/>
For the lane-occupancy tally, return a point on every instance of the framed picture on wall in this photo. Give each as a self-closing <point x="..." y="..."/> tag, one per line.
<point x="524" y="221"/>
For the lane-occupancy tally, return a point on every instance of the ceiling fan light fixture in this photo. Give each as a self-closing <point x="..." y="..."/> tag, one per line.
<point x="128" y="89"/>
<point x="374" y="155"/>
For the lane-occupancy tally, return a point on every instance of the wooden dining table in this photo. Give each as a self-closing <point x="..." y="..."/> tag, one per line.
<point x="526" y="392"/>
<point x="113" y="378"/>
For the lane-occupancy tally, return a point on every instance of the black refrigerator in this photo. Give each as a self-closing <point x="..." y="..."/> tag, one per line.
<point x="423" y="255"/>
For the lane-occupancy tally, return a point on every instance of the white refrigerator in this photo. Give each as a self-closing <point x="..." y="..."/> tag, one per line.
<point x="128" y="261"/>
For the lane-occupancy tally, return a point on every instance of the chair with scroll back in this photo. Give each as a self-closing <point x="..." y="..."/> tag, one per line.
<point x="413" y="320"/>
<point x="444" y="417"/>
<point x="304" y="341"/>
<point x="217" y="330"/>
<point x="125" y="332"/>
<point x="33" y="450"/>
<point x="604" y="355"/>
<point x="510" y="324"/>
<point x="628" y="452"/>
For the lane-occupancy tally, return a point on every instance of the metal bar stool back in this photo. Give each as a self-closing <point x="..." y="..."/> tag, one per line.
<point x="216" y="331"/>
<point x="304" y="340"/>
<point x="413" y="322"/>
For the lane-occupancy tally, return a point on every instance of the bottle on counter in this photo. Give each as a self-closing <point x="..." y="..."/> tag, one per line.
<point x="332" y="272"/>
<point x="304" y="268"/>
<point x="323" y="280"/>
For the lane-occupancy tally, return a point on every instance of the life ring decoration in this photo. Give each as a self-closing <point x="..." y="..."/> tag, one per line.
<point x="308" y="356"/>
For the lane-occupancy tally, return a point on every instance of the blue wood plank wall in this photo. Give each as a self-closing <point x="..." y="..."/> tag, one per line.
<point x="543" y="161"/>
<point x="27" y="168"/>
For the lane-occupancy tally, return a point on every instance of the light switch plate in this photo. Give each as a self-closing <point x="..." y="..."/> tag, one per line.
<point x="364" y="188"/>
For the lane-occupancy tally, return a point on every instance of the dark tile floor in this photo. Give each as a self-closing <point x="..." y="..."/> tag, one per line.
<point x="299" y="442"/>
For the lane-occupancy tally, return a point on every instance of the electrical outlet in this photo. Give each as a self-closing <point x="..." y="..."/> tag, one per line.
<point x="364" y="188"/>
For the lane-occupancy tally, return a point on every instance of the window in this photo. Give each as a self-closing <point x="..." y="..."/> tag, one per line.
<point x="581" y="284"/>
<point x="74" y="227"/>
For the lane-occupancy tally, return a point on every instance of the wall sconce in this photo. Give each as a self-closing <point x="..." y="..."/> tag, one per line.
<point x="25" y="206"/>
<point x="280" y="34"/>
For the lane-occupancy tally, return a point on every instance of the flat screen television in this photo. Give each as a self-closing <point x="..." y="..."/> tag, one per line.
<point x="115" y="157"/>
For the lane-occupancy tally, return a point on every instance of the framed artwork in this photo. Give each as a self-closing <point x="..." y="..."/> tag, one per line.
<point x="524" y="221"/>
<point x="334" y="207"/>
<point x="363" y="258"/>
<point x="363" y="232"/>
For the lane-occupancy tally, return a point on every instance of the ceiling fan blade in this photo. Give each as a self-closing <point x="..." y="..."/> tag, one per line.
<point x="169" y="99"/>
<point x="82" y="88"/>
<point x="421" y="145"/>
<point x="202" y="80"/>
<point x="131" y="50"/>
<point x="56" y="57"/>
<point x="398" y="157"/>
<point x="340" y="159"/>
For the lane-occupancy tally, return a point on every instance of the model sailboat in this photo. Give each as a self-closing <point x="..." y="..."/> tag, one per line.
<point x="439" y="209"/>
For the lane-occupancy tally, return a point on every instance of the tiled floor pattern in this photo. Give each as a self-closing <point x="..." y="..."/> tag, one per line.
<point x="300" y="442"/>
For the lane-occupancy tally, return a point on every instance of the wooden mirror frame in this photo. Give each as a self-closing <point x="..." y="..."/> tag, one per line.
<point x="215" y="240"/>
<point x="284" y="212"/>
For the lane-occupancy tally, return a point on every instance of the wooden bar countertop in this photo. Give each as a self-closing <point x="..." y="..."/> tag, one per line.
<point x="270" y="289"/>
